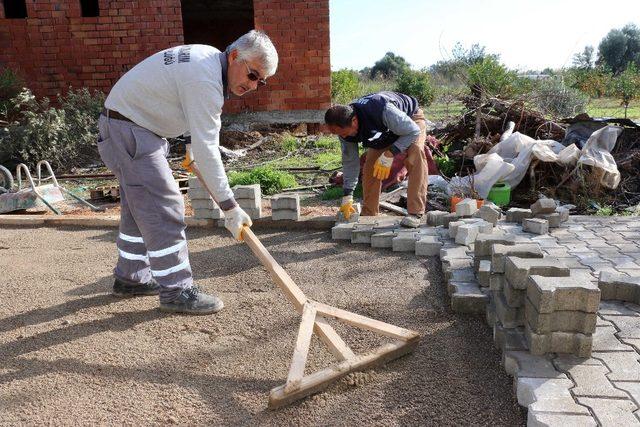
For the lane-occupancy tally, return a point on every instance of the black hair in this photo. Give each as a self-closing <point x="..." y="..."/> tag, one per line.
<point x="339" y="115"/>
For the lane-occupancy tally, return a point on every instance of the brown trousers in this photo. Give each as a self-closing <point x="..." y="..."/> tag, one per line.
<point x="418" y="174"/>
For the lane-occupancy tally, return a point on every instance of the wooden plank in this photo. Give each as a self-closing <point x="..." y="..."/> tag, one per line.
<point x="334" y="343"/>
<point x="321" y="379"/>
<point x="301" y="350"/>
<point x="393" y="208"/>
<point x="367" y="323"/>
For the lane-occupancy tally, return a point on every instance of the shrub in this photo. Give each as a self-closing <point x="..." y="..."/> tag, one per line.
<point x="626" y="86"/>
<point x="446" y="165"/>
<point x="344" y="86"/>
<point x="10" y="86"/>
<point x="417" y="84"/>
<point x="65" y="136"/>
<point x="271" y="181"/>
<point x="488" y="77"/>
<point x="552" y="96"/>
<point x="289" y="142"/>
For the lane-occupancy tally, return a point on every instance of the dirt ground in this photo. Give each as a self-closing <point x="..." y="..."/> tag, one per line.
<point x="72" y="354"/>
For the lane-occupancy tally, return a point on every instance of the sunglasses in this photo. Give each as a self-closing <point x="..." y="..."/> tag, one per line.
<point x="253" y="76"/>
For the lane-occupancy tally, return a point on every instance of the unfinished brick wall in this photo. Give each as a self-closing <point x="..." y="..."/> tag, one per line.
<point x="55" y="47"/>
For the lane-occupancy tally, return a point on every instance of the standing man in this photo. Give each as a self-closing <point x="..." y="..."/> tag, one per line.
<point x="173" y="92"/>
<point x="387" y="124"/>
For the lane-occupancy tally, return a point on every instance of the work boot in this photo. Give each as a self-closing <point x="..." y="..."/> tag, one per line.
<point x="128" y="288"/>
<point x="193" y="301"/>
<point x="411" y="221"/>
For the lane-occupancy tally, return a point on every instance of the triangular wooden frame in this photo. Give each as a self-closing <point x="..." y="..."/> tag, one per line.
<point x="314" y="315"/>
<point x="314" y="320"/>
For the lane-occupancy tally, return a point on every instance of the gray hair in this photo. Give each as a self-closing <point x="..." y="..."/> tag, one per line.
<point x="257" y="45"/>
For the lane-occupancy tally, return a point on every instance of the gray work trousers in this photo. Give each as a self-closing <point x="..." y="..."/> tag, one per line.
<point x="151" y="240"/>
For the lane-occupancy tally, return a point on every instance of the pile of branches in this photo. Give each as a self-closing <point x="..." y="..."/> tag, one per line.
<point x="496" y="113"/>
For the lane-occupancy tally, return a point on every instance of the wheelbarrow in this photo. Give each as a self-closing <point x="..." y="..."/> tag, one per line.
<point x="35" y="195"/>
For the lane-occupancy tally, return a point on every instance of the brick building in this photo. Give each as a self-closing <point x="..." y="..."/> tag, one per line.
<point x="57" y="43"/>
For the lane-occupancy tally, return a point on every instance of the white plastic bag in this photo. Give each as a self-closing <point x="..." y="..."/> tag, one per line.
<point x="597" y="153"/>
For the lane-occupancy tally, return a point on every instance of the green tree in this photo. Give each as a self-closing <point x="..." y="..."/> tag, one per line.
<point x="417" y="84"/>
<point x="455" y="69"/>
<point x="584" y="59"/>
<point x="626" y="86"/>
<point x="619" y="48"/>
<point x="390" y="66"/>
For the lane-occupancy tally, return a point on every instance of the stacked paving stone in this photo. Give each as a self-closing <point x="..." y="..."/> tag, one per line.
<point x="249" y="198"/>
<point x="540" y="217"/>
<point x="203" y="205"/>
<point x="285" y="207"/>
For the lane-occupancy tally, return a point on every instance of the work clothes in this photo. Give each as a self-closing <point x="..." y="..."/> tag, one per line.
<point x="384" y="123"/>
<point x="418" y="171"/>
<point x="151" y="240"/>
<point x="177" y="91"/>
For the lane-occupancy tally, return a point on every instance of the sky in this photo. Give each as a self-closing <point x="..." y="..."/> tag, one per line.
<point x="528" y="35"/>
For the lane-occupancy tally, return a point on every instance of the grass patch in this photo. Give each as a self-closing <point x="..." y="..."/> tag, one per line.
<point x="605" y="211"/>
<point x="289" y="142"/>
<point x="328" y="142"/>
<point x="334" y="193"/>
<point x="610" y="107"/>
<point x="271" y="181"/>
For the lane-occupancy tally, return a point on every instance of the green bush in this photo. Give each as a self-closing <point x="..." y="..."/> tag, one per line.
<point x="446" y="165"/>
<point x="552" y="96"/>
<point x="10" y="86"/>
<point x="488" y="77"/>
<point x="271" y="181"/>
<point x="65" y="136"/>
<point x="344" y="86"/>
<point x="417" y="84"/>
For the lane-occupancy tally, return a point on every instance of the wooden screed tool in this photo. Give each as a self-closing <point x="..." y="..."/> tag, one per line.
<point x="314" y="320"/>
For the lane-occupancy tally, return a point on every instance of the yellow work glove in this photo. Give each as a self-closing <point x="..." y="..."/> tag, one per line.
<point x="186" y="163"/>
<point x="382" y="168"/>
<point x="346" y="207"/>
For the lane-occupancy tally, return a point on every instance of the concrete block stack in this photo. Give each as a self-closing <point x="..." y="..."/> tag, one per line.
<point x="518" y="214"/>
<point x="285" y="207"/>
<point x="203" y="205"/>
<point x="249" y="197"/>
<point x="535" y="225"/>
<point x="489" y="213"/>
<point x="546" y="209"/>
<point x="466" y="208"/>
<point x="561" y="315"/>
<point x="436" y="218"/>
<point x="462" y="285"/>
<point x="484" y="245"/>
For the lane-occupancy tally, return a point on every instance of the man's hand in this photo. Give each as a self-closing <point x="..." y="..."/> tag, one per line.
<point x="382" y="168"/>
<point x="346" y="207"/>
<point x="234" y="220"/>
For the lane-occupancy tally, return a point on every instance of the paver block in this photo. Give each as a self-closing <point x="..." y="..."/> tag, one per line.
<point x="558" y="342"/>
<point x="490" y="313"/>
<point x="620" y="287"/>
<point x="454" y="252"/>
<point x="522" y="364"/>
<point x="453" y="228"/>
<point x="382" y="239"/>
<point x="467" y="233"/>
<point x="523" y="250"/>
<point x="247" y="191"/>
<point x="249" y="203"/>
<point x="624" y="365"/>
<point x="564" y="214"/>
<point x="286" y="201"/>
<point x="590" y="380"/>
<point x="353" y="218"/>
<point x="549" y="294"/>
<point x="404" y="242"/>
<point x="448" y="219"/>
<point x="549" y="419"/>
<point x="204" y="204"/>
<point x="468" y="298"/>
<point x="454" y="264"/>
<point x="514" y="297"/>
<point x="342" y="231"/>
<point x="518" y="214"/>
<point x="612" y="412"/>
<point x="464" y="275"/>
<point x="198" y="193"/>
<point x="509" y="317"/>
<point x="543" y="206"/>
<point x="508" y="339"/>
<point x="361" y="234"/>
<point x="627" y="326"/>
<point x="466" y="207"/>
<point x="496" y="281"/>
<point x="254" y="213"/>
<point x="285" y="214"/>
<point x="559" y="321"/>
<point x="532" y="390"/>
<point x="484" y="273"/>
<point x="553" y="219"/>
<point x="490" y="214"/>
<point x="517" y="270"/>
<point x="428" y="246"/>
<point x="435" y="218"/>
<point x="535" y="225"/>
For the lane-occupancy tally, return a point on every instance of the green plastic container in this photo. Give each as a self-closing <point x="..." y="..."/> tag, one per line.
<point x="500" y="194"/>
